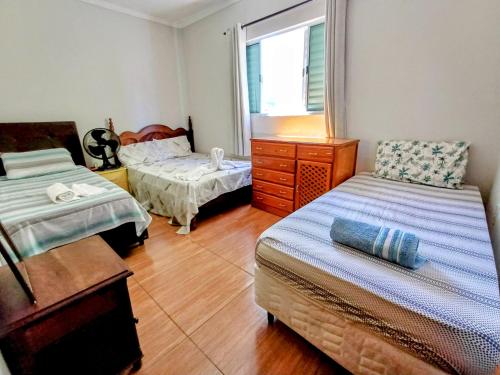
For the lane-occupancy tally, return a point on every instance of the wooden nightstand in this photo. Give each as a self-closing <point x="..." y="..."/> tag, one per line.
<point x="118" y="176"/>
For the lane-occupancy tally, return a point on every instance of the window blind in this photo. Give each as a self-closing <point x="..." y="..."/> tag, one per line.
<point x="253" y="76"/>
<point x="316" y="68"/>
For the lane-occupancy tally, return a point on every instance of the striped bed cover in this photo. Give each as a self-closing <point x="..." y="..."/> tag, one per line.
<point x="446" y="313"/>
<point x="36" y="224"/>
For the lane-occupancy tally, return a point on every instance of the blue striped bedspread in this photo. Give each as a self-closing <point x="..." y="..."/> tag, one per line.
<point x="36" y="224"/>
<point x="447" y="312"/>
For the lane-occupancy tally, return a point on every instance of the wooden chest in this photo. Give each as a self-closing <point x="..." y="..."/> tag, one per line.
<point x="82" y="322"/>
<point x="288" y="173"/>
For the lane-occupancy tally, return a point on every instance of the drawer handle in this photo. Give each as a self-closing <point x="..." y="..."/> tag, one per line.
<point x="283" y="179"/>
<point x="258" y="186"/>
<point x="258" y="162"/>
<point x="258" y="174"/>
<point x="258" y="148"/>
<point x="284" y="165"/>
<point x="283" y="150"/>
<point x="282" y="205"/>
<point x="282" y="192"/>
<point x="259" y="198"/>
<point x="313" y="153"/>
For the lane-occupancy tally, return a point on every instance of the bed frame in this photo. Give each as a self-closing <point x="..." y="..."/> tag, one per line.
<point x="31" y="136"/>
<point x="158" y="131"/>
<point x="219" y="204"/>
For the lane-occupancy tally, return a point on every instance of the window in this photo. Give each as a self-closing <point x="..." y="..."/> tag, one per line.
<point x="286" y="72"/>
<point x="253" y="75"/>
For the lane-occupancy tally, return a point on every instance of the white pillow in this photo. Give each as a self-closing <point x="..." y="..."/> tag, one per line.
<point x="36" y="163"/>
<point x="137" y="153"/>
<point x="173" y="147"/>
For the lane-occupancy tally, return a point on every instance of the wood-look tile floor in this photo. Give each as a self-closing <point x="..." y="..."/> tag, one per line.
<point x="194" y="299"/>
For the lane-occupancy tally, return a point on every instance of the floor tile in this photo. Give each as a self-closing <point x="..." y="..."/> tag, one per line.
<point x="159" y="254"/>
<point x="185" y="359"/>
<point x="239" y="340"/>
<point x="196" y="288"/>
<point x="157" y="332"/>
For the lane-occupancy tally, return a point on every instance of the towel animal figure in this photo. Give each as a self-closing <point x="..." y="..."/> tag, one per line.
<point x="217" y="163"/>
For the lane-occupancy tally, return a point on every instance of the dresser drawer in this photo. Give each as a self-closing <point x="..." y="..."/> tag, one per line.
<point x="315" y="153"/>
<point x="284" y="150"/>
<point x="269" y="200"/>
<point x="281" y="178"/>
<point x="284" y="165"/>
<point x="273" y="189"/>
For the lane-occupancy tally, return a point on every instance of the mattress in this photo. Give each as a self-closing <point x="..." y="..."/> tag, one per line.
<point x="36" y="224"/>
<point x="155" y="186"/>
<point x="446" y="313"/>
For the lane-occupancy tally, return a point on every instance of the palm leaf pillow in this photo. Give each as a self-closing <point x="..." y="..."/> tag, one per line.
<point x="440" y="164"/>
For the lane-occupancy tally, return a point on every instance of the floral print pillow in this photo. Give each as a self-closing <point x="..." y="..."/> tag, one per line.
<point x="440" y="164"/>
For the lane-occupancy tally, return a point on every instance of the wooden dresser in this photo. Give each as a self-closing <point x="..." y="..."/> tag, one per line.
<point x="288" y="173"/>
<point x="82" y="322"/>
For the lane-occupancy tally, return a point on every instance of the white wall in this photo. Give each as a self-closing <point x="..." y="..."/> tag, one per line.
<point x="68" y="60"/>
<point x="296" y="126"/>
<point x="207" y="55"/>
<point x="426" y="69"/>
<point x="415" y="69"/>
<point x="493" y="210"/>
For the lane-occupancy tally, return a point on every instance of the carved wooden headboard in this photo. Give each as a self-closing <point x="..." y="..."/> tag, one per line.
<point x="31" y="136"/>
<point x="157" y="131"/>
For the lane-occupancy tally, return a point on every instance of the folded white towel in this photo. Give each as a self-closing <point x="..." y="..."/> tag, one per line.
<point x="217" y="163"/>
<point x="84" y="190"/>
<point x="60" y="193"/>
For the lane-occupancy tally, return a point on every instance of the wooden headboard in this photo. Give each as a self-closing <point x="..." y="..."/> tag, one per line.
<point x="157" y="131"/>
<point x="31" y="136"/>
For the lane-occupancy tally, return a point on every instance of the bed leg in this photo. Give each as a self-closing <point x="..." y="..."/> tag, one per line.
<point x="194" y="223"/>
<point x="270" y="318"/>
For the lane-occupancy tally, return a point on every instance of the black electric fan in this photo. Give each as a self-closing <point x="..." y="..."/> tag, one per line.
<point x="103" y="144"/>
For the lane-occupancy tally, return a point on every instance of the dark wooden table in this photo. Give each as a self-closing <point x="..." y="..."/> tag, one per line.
<point x="82" y="322"/>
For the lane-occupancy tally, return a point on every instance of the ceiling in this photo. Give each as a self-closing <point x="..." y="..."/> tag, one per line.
<point x="176" y="13"/>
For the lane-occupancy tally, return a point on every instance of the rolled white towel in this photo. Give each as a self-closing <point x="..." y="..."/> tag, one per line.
<point x="84" y="190"/>
<point x="60" y="193"/>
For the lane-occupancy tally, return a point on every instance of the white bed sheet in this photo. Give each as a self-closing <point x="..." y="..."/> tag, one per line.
<point x="154" y="185"/>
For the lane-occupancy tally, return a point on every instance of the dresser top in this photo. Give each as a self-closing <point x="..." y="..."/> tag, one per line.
<point x="316" y="141"/>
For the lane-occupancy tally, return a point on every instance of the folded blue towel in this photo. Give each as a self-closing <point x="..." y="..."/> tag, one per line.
<point x="393" y="245"/>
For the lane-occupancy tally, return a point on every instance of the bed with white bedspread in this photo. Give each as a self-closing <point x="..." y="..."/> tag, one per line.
<point x="156" y="186"/>
<point x="360" y="309"/>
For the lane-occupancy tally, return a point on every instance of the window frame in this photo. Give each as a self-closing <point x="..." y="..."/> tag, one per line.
<point x="259" y="104"/>
<point x="305" y="73"/>
<point x="308" y="60"/>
